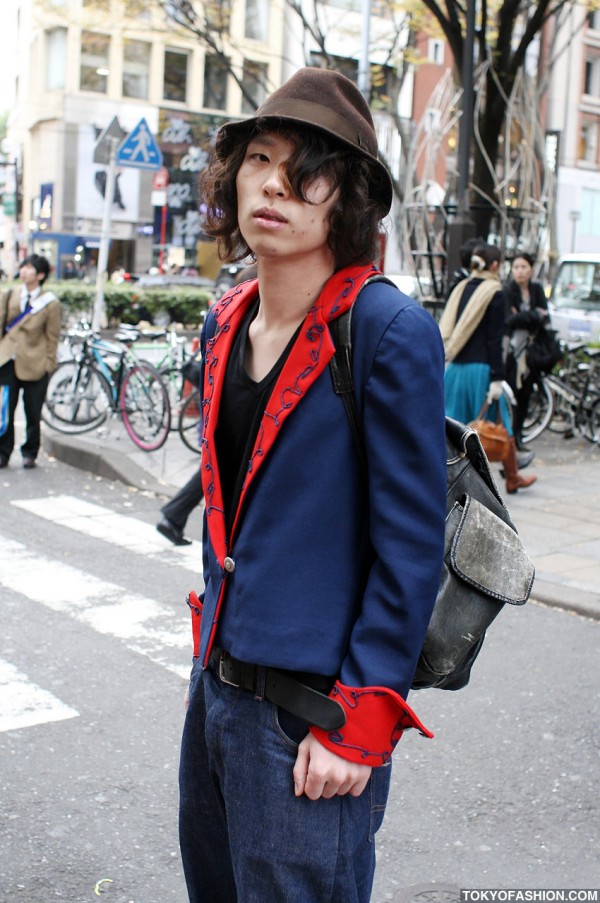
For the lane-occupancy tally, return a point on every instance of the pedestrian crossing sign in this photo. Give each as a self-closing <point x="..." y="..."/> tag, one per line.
<point x="139" y="149"/>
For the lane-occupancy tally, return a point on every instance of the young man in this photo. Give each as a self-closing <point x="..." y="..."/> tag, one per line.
<point x="29" y="334"/>
<point x="319" y="580"/>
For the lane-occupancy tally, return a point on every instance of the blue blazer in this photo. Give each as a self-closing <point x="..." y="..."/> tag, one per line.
<point x="321" y="572"/>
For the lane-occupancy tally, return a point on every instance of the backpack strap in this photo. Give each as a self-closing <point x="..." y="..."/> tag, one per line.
<point x="340" y="366"/>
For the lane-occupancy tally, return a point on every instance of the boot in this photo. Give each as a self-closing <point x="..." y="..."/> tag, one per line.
<point x="523" y="461"/>
<point x="514" y="480"/>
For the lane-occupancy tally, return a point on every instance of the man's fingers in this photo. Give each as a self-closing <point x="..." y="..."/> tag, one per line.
<point x="319" y="773"/>
<point x="301" y="769"/>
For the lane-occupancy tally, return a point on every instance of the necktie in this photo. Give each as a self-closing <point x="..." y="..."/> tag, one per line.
<point x="27" y="307"/>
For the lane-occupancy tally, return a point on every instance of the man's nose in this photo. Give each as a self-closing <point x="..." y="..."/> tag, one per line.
<point x="276" y="183"/>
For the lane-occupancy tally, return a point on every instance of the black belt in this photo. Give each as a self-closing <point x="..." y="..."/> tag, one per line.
<point x="283" y="689"/>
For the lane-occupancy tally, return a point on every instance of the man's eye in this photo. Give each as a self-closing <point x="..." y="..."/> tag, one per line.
<point x="258" y="156"/>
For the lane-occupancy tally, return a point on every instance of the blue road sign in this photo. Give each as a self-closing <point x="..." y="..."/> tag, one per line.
<point x="139" y="149"/>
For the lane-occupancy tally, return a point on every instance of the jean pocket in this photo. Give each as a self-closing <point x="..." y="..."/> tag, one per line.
<point x="292" y="729"/>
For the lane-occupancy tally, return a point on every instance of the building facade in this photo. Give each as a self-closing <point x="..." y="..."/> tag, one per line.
<point x="83" y="64"/>
<point x="574" y="117"/>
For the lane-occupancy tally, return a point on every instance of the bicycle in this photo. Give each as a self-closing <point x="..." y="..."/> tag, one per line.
<point x="169" y="357"/>
<point x="576" y="391"/>
<point x="106" y="378"/>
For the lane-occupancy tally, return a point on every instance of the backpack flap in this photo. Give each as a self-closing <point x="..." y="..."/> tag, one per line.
<point x="489" y="555"/>
<point x="485" y="566"/>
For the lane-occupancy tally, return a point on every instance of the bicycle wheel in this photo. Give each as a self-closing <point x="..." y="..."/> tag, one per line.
<point x="173" y="380"/>
<point x="144" y="406"/>
<point x="586" y="419"/>
<point x="78" y="398"/>
<point x="539" y="411"/>
<point x="594" y="421"/>
<point x="189" y="422"/>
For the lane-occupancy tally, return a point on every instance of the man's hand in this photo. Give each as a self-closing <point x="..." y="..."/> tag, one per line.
<point x="320" y="773"/>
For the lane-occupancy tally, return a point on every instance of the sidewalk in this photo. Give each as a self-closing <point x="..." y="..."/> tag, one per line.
<point x="558" y="518"/>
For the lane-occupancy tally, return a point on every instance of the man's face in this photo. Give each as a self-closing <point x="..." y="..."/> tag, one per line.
<point x="275" y="223"/>
<point x="30" y="276"/>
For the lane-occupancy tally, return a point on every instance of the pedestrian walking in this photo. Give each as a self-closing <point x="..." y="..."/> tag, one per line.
<point x="176" y="512"/>
<point x="29" y="330"/>
<point x="527" y="313"/>
<point x="319" y="583"/>
<point x="472" y="328"/>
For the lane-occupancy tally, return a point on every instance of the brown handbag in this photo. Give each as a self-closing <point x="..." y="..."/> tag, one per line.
<point x="494" y="437"/>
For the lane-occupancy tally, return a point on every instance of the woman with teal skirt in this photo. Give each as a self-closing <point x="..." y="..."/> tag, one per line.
<point x="472" y="327"/>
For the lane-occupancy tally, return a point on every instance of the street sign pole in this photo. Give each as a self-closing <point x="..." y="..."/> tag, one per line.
<point x="99" y="318"/>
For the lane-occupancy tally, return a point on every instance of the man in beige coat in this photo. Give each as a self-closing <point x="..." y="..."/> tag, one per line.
<point x="29" y="333"/>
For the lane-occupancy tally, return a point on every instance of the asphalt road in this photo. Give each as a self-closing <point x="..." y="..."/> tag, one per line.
<point x="93" y="660"/>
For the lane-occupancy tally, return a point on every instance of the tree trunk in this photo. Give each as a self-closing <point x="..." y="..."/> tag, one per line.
<point x="490" y="124"/>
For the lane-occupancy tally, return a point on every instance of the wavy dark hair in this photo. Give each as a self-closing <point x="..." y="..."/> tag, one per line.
<point x="354" y="219"/>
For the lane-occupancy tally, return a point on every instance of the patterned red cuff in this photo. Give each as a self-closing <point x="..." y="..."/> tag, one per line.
<point x="376" y="718"/>
<point x="196" y="611"/>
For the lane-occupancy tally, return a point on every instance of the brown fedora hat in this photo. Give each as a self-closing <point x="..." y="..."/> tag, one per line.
<point x="324" y="100"/>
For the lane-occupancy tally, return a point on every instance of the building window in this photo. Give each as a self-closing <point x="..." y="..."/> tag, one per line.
<point x="435" y="52"/>
<point x="94" y="62"/>
<point x="136" y="68"/>
<point x="257" y="20"/>
<point x="215" y="83"/>
<point x="591" y="80"/>
<point x="176" y="75"/>
<point x="56" y="58"/>
<point x="138" y="9"/>
<point x="255" y="85"/>
<point x="588" y="142"/>
<point x="347" y="67"/>
<point x="589" y="223"/>
<point x="593" y="20"/>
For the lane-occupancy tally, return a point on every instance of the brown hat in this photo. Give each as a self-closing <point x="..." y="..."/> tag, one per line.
<point x="327" y="101"/>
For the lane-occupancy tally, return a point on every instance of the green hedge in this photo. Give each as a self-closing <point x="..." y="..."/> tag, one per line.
<point x="128" y="304"/>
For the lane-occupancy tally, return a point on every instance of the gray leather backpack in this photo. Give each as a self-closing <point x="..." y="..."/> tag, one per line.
<point x="485" y="564"/>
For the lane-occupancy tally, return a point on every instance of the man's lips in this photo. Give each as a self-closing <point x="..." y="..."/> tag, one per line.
<point x="269" y="215"/>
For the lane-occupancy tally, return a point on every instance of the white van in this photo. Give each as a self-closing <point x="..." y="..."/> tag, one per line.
<point x="575" y="298"/>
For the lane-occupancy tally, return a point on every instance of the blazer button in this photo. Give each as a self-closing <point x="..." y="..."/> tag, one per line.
<point x="229" y="565"/>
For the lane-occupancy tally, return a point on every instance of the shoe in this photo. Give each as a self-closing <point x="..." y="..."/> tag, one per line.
<point x="29" y="463"/>
<point x="3" y="461"/>
<point x="172" y="533"/>
<point x="514" y="480"/>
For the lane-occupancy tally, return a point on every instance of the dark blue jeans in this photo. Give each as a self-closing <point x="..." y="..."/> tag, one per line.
<point x="34" y="393"/>
<point x="245" y="837"/>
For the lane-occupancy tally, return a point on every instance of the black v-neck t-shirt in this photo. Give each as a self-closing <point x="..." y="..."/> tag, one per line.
<point x="242" y="406"/>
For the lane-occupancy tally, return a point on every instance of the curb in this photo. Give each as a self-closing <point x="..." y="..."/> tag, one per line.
<point x="576" y="601"/>
<point x="103" y="462"/>
<point x="115" y="465"/>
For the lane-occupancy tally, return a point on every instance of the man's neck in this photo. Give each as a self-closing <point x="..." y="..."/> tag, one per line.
<point x="288" y="290"/>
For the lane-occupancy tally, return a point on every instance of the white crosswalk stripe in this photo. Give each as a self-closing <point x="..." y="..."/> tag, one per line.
<point x="24" y="704"/>
<point x="145" y="626"/>
<point x="98" y="522"/>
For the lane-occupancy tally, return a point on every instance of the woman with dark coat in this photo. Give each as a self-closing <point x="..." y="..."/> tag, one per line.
<point x="527" y="312"/>
<point x="472" y="328"/>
